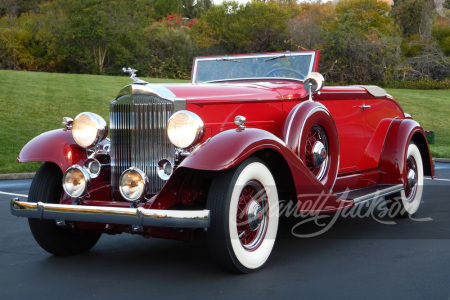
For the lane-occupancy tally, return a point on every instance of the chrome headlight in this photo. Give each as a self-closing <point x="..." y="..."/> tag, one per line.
<point x="185" y="129"/>
<point x="89" y="129"/>
<point x="133" y="184"/>
<point x="76" y="181"/>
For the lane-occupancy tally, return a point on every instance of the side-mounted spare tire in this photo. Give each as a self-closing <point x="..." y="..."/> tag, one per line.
<point x="60" y="241"/>
<point x="311" y="133"/>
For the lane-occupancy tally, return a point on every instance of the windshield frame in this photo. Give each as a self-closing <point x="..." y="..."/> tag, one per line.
<point x="274" y="55"/>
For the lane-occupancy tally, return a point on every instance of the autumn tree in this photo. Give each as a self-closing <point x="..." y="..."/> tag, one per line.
<point x="361" y="43"/>
<point x="414" y="16"/>
<point x="232" y="27"/>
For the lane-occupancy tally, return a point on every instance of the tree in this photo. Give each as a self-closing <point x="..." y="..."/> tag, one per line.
<point x="361" y="43"/>
<point x="87" y="36"/>
<point x="17" y="7"/>
<point x="305" y="29"/>
<point x="414" y="17"/>
<point x="232" y="27"/>
<point x="194" y="8"/>
<point x="172" y="56"/>
<point x="163" y="8"/>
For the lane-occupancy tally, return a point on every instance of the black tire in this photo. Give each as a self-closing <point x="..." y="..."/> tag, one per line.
<point x="407" y="202"/>
<point x="243" y="203"/>
<point x="60" y="241"/>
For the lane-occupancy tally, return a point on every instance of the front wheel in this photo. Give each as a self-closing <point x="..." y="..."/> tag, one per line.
<point x="244" y="210"/>
<point x="60" y="241"/>
<point x="407" y="202"/>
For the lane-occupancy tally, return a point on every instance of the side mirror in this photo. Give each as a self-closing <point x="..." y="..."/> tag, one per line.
<point x="313" y="83"/>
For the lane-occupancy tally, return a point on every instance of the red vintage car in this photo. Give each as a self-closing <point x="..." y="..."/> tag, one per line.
<point x="217" y="156"/>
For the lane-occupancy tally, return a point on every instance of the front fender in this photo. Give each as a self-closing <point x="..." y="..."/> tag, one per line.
<point x="57" y="146"/>
<point x="229" y="148"/>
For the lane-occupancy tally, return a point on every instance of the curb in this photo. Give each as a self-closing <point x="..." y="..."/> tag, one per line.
<point x="13" y="176"/>
<point x="444" y="160"/>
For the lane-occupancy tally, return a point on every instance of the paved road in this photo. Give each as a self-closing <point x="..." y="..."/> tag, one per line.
<point x="358" y="257"/>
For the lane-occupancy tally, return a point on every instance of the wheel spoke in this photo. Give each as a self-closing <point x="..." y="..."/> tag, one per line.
<point x="316" y="135"/>
<point x="251" y="220"/>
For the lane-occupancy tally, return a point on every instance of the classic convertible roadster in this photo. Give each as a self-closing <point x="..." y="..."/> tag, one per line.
<point x="216" y="157"/>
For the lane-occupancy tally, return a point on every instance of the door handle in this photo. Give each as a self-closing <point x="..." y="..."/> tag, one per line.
<point x="363" y="106"/>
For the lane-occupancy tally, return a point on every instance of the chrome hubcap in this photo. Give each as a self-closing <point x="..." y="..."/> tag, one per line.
<point x="411" y="179"/>
<point x="319" y="154"/>
<point x="316" y="152"/>
<point x="254" y="215"/>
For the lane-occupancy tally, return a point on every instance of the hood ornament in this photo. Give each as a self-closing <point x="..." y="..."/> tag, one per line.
<point x="133" y="77"/>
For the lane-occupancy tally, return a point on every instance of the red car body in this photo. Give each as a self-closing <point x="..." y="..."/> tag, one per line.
<point x="365" y="149"/>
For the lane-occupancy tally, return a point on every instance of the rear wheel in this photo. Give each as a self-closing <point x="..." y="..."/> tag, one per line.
<point x="47" y="187"/>
<point x="244" y="216"/>
<point x="407" y="202"/>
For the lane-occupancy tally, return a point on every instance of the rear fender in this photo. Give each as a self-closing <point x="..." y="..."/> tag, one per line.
<point x="392" y="163"/>
<point x="57" y="146"/>
<point x="229" y="148"/>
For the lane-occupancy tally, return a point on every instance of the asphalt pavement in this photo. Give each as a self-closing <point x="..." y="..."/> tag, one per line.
<point x="362" y="255"/>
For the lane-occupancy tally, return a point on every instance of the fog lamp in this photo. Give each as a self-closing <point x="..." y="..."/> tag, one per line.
<point x="93" y="167"/>
<point x="165" y="169"/>
<point x="76" y="181"/>
<point x="133" y="184"/>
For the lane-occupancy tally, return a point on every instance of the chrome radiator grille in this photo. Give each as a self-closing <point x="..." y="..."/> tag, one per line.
<point x="138" y="137"/>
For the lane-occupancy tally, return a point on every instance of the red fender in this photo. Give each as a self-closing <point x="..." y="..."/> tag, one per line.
<point x="57" y="146"/>
<point x="392" y="163"/>
<point x="229" y="148"/>
<point x="296" y="133"/>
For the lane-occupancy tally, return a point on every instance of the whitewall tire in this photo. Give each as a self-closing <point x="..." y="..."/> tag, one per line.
<point x="407" y="202"/>
<point x="244" y="216"/>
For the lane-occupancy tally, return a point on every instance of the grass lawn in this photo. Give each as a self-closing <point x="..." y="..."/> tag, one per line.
<point x="32" y="103"/>
<point x="431" y="108"/>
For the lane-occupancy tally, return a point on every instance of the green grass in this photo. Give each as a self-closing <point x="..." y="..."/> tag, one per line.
<point x="431" y="108"/>
<point x="32" y="103"/>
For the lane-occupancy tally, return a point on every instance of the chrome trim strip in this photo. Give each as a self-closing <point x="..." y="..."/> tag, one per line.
<point x="379" y="193"/>
<point x="292" y="119"/>
<point x="112" y="215"/>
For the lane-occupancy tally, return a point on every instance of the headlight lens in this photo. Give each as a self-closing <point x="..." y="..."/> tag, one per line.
<point x="185" y="129"/>
<point x="89" y="129"/>
<point x="133" y="184"/>
<point x="76" y="181"/>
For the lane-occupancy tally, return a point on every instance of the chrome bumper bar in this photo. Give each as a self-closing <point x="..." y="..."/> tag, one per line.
<point x="112" y="215"/>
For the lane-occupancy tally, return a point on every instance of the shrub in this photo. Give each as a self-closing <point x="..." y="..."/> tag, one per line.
<point x="424" y="84"/>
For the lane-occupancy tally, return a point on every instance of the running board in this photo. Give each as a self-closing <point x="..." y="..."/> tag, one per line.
<point x="370" y="193"/>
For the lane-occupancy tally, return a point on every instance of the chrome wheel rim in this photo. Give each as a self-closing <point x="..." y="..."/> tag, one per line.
<point x="316" y="152"/>
<point x="252" y="215"/>
<point x="411" y="179"/>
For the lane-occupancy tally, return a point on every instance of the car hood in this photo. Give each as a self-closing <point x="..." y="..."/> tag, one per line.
<point x="236" y="91"/>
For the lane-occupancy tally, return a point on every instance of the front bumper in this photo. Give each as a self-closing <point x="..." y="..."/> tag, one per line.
<point x="112" y="215"/>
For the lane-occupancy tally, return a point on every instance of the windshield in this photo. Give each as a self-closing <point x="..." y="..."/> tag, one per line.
<point x="295" y="65"/>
